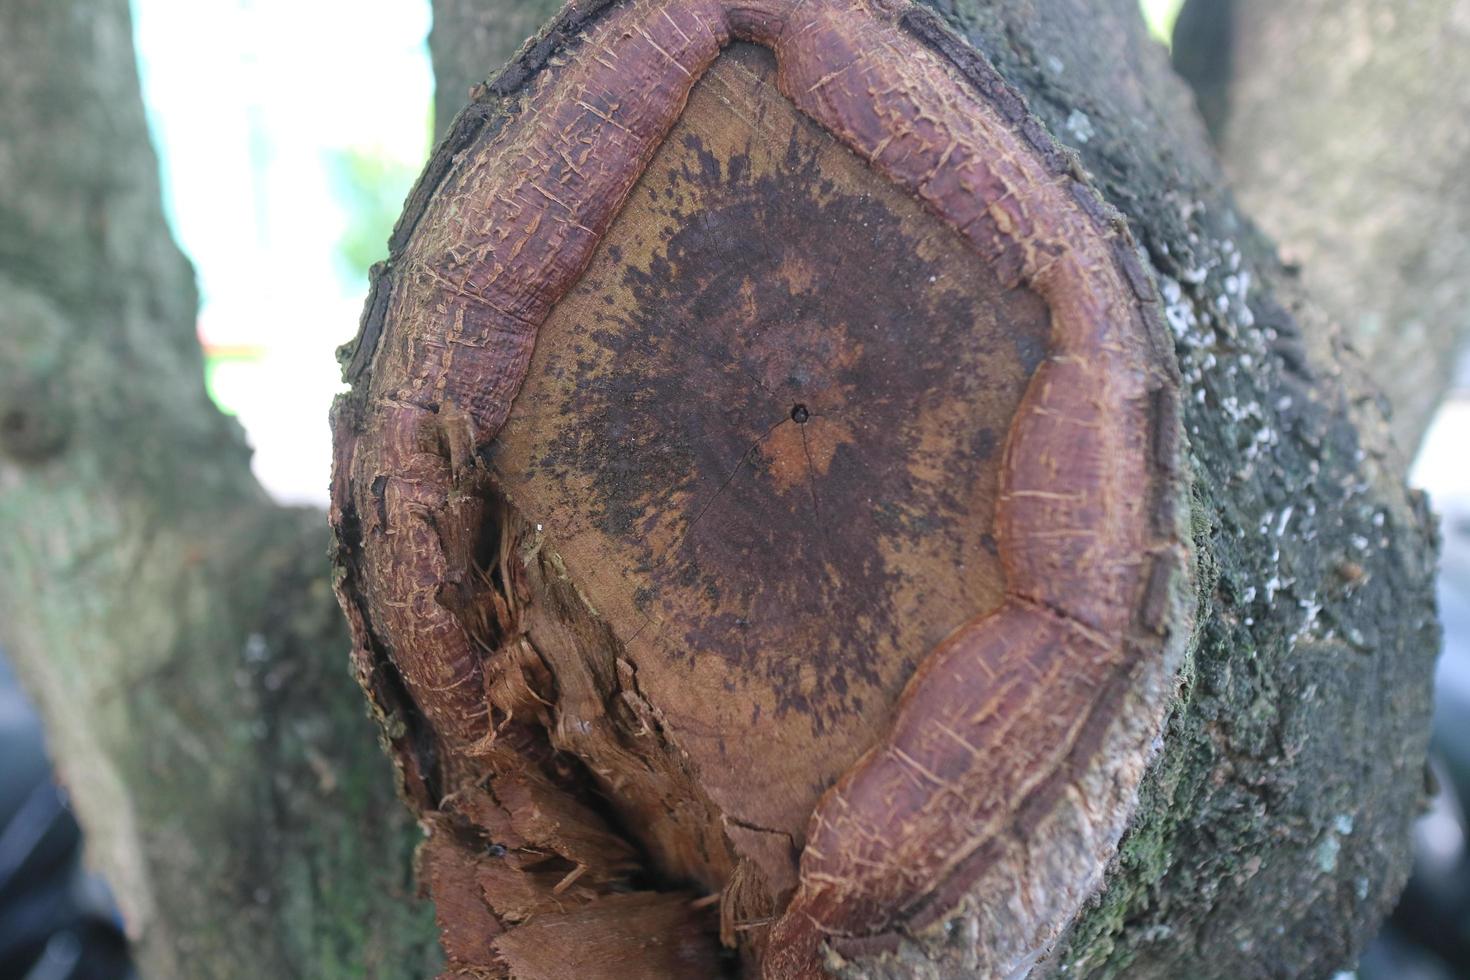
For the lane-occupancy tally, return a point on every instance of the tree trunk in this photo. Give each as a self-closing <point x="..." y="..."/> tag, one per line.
<point x="470" y="39"/>
<point x="174" y="626"/>
<point x="653" y="547"/>
<point x="1328" y="118"/>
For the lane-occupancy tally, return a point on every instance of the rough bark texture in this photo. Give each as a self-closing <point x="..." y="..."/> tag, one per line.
<point x="1272" y="827"/>
<point x="1277" y="816"/>
<point x="1341" y="126"/>
<point x="175" y="627"/>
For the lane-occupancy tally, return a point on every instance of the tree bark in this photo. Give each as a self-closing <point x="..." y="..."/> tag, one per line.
<point x="1332" y="122"/>
<point x="1270" y="831"/>
<point x="175" y="627"/>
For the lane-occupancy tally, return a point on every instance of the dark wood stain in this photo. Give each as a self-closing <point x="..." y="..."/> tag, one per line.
<point x="799" y="571"/>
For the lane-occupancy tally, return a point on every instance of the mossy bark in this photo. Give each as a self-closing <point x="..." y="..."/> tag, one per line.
<point x="176" y="627"/>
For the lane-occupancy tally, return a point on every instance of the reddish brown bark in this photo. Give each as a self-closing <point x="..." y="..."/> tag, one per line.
<point x="562" y="753"/>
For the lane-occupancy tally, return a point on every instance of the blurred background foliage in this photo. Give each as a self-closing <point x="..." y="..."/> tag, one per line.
<point x="371" y="184"/>
<point x="288" y="135"/>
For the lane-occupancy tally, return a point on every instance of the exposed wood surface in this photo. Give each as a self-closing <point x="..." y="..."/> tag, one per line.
<point x="774" y="580"/>
<point x="1270" y="833"/>
<point x="687" y="438"/>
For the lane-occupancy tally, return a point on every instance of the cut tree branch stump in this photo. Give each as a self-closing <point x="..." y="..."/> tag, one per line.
<point x="744" y="465"/>
<point x="762" y="507"/>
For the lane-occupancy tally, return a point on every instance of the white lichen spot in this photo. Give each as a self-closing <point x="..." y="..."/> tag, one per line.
<point x="1080" y="126"/>
<point x="1285" y="519"/>
<point x="1313" y="609"/>
<point x="1343" y="823"/>
<point x="256" y="649"/>
<point x="1327" y="852"/>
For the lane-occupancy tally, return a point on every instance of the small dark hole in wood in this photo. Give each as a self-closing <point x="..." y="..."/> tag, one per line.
<point x="799" y="414"/>
<point x="496" y="850"/>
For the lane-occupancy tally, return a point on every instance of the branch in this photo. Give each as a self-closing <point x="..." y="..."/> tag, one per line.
<point x="175" y="627"/>
<point x="1341" y="125"/>
<point x="577" y="590"/>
